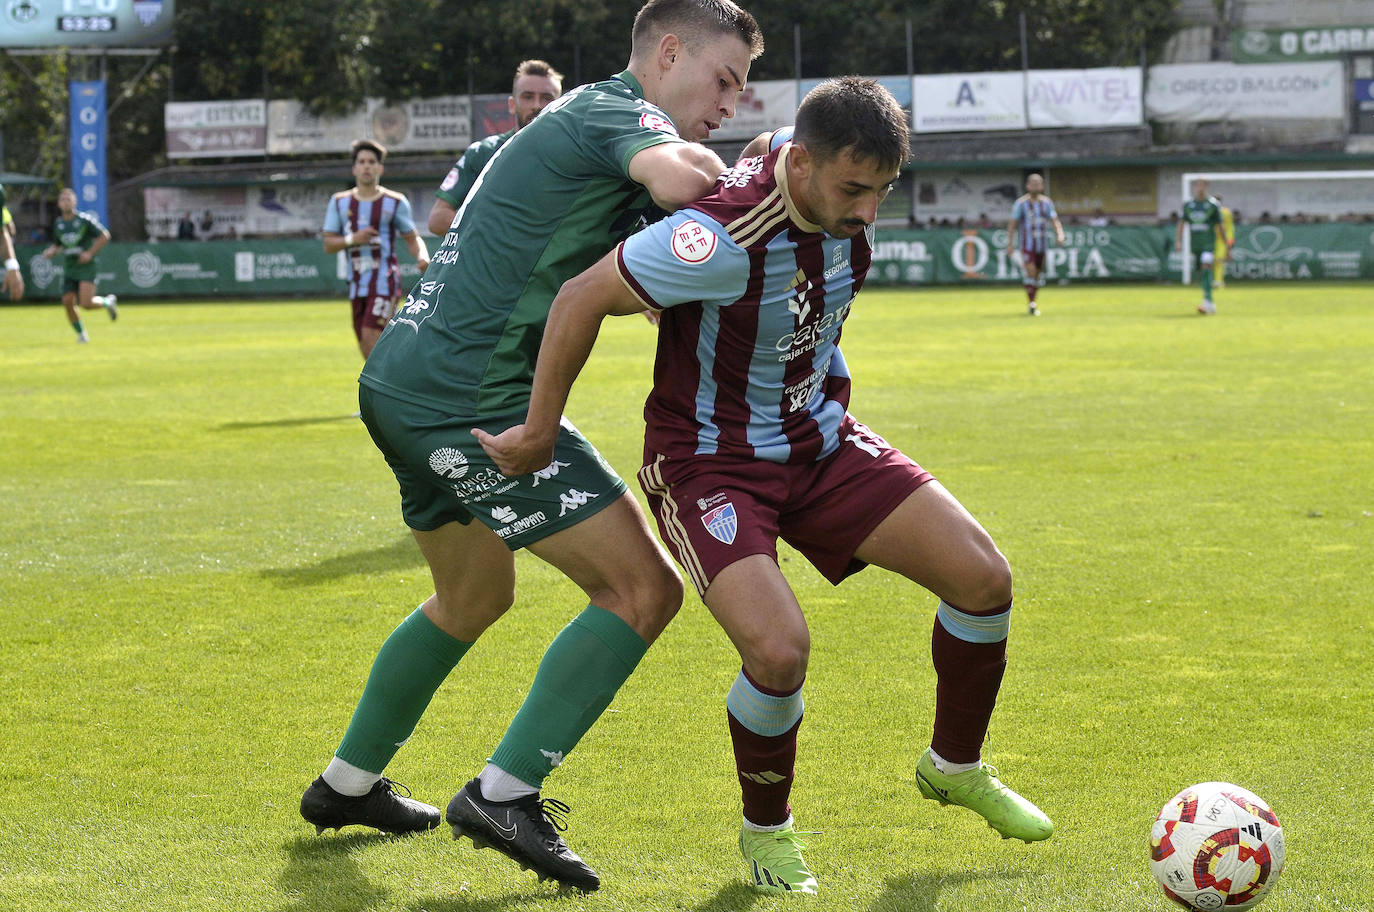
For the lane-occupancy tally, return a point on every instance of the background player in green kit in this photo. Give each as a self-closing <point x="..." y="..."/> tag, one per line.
<point x="535" y="87"/>
<point x="459" y="355"/>
<point x="78" y="236"/>
<point x="13" y="279"/>
<point x="1202" y="218"/>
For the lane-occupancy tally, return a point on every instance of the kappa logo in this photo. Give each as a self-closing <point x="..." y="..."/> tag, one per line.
<point x="722" y="523"/>
<point x="574" y="499"/>
<point x="449" y="463"/>
<point x="693" y="242"/>
<point x="548" y="472"/>
<point x="744" y="170"/>
<point x="503" y="514"/>
<point x="555" y="758"/>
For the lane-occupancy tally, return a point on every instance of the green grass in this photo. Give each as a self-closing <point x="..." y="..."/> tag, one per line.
<point x="202" y="552"/>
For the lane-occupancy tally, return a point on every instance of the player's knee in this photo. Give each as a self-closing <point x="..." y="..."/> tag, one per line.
<point x="647" y="601"/>
<point x="987" y="587"/>
<point x="779" y="662"/>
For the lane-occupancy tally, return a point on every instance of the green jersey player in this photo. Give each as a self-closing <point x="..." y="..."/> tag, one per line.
<point x="13" y="279"/>
<point x="78" y="237"/>
<point x="1206" y="234"/>
<point x="458" y="356"/>
<point x="535" y="87"/>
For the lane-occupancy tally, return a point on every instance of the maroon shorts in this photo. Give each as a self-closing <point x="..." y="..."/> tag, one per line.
<point x="372" y="311"/>
<point x="1035" y="258"/>
<point x="715" y="510"/>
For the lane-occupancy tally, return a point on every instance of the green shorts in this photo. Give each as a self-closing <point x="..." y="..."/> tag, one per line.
<point x="72" y="284"/>
<point x="446" y="476"/>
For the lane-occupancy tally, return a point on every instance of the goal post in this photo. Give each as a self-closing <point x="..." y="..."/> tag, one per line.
<point x="1244" y="176"/>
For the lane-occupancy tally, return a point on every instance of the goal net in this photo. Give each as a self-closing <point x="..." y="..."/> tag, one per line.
<point x="1255" y="195"/>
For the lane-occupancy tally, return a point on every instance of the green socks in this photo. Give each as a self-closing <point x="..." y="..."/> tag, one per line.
<point x="577" y="679"/>
<point x="1207" y="283"/>
<point x="409" y="668"/>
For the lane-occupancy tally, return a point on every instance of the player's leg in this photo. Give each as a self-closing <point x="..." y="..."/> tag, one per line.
<point x="633" y="593"/>
<point x="1031" y="266"/>
<point x="719" y="519"/>
<point x="932" y="540"/>
<point x="474" y="581"/>
<point x="756" y="608"/>
<point x="69" y="298"/>
<point x="1219" y="265"/>
<point x="368" y="324"/>
<point x="1204" y="268"/>
<point x="89" y="300"/>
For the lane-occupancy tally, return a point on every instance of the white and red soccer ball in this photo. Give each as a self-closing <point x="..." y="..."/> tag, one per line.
<point x="1216" y="846"/>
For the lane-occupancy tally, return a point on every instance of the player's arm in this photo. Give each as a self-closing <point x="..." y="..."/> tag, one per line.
<point x="676" y="173"/>
<point x="441" y="217"/>
<point x="757" y="146"/>
<point x="13" y="282"/>
<point x="418" y="249"/>
<point x="1058" y="231"/>
<point x="89" y="253"/>
<point x="574" y="322"/>
<point x="334" y="242"/>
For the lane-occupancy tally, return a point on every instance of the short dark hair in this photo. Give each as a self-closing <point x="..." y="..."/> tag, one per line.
<point x="369" y="145"/>
<point x="533" y="67"/>
<point x="693" y="21"/>
<point x="853" y="114"/>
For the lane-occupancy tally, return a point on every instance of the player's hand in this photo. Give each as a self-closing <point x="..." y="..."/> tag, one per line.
<point x="652" y="316"/>
<point x="1016" y="257"/>
<point x="13" y="284"/>
<point x="364" y="236"/>
<point x="84" y="257"/>
<point x="423" y="263"/>
<point x="517" y="450"/>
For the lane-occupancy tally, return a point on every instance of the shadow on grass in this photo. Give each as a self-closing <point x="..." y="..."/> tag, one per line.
<point x="321" y="875"/>
<point x="732" y="897"/>
<point x="921" y="892"/>
<point x="282" y="423"/>
<point x="403" y="554"/>
<point x="551" y="895"/>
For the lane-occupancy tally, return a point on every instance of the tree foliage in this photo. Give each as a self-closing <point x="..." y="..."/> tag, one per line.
<point x="329" y="54"/>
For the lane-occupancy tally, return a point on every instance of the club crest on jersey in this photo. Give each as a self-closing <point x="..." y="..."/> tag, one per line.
<point x="693" y="243"/>
<point x="722" y="523"/>
<point x="651" y="121"/>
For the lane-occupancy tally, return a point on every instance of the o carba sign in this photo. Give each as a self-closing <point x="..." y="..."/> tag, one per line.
<point x="1316" y="43"/>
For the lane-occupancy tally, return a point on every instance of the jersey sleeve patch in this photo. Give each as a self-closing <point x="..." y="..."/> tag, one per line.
<point x="651" y="121"/>
<point x="693" y="243"/>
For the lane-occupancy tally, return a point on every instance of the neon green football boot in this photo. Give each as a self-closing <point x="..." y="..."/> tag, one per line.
<point x="983" y="793"/>
<point x="775" y="861"/>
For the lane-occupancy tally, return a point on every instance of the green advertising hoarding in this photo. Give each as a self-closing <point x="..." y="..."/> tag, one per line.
<point x="943" y="256"/>
<point x="1324" y="42"/>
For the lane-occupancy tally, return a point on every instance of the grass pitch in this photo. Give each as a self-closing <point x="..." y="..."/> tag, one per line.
<point x="202" y="552"/>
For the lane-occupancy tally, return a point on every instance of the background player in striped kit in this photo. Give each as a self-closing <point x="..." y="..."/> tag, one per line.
<point x="536" y="85"/>
<point x="365" y="221"/>
<point x="1027" y="235"/>
<point x="749" y="439"/>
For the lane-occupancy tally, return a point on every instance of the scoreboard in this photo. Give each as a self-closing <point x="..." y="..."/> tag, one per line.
<point x="85" y="23"/>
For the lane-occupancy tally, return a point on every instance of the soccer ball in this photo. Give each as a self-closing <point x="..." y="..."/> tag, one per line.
<point x="1216" y="846"/>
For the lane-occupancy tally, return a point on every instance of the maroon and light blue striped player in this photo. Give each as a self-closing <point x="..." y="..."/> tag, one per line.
<point x="1032" y="217"/>
<point x="367" y="221"/>
<point x="750" y="440"/>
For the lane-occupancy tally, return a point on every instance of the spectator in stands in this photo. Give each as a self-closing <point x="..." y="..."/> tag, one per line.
<point x="1099" y="219"/>
<point x="1265" y="218"/>
<point x="186" y="228"/>
<point x="207" y="226"/>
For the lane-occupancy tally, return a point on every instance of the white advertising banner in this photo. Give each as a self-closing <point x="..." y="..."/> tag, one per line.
<point x="291" y="129"/>
<point x="422" y="125"/>
<point x="764" y="105"/>
<point x="974" y="196"/>
<point x="1104" y="97"/>
<point x="208" y="129"/>
<point x="214" y="212"/>
<point x="1194" y="92"/>
<point x="968" y="101"/>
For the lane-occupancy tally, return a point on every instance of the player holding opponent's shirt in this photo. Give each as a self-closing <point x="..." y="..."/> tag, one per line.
<point x="750" y="440"/>
<point x="460" y="355"/>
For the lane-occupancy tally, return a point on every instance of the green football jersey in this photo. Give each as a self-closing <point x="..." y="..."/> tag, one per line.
<point x="75" y="235"/>
<point x="552" y="201"/>
<point x="458" y="183"/>
<point x="1202" y="218"/>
